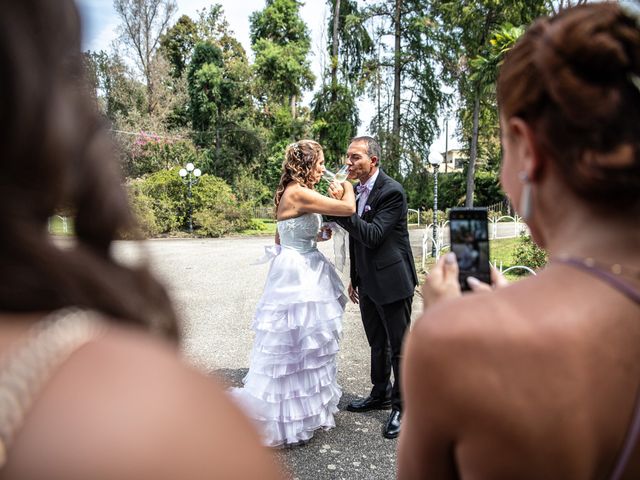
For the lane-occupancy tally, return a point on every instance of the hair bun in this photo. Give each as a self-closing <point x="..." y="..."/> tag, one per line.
<point x="585" y="59"/>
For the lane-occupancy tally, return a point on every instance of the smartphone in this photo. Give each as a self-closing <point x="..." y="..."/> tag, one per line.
<point x="469" y="234"/>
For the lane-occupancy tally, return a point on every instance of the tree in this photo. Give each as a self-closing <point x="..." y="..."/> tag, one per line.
<point x="178" y="44"/>
<point x="117" y="93"/>
<point x="335" y="120"/>
<point x="334" y="105"/>
<point x="143" y="23"/>
<point x="464" y="30"/>
<point x="406" y="89"/>
<point x="281" y="43"/>
<point x="350" y="46"/>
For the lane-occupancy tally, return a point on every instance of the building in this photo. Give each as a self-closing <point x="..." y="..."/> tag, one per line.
<point x="453" y="161"/>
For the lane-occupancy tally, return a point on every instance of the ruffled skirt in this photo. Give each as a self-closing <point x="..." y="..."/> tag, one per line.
<point x="291" y="388"/>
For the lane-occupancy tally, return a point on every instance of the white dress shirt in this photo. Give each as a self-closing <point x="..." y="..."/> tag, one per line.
<point x="363" y="196"/>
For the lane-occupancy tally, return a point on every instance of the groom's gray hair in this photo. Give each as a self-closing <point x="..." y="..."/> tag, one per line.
<point x="373" y="147"/>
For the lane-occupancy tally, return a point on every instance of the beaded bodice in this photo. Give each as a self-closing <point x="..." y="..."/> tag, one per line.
<point x="300" y="233"/>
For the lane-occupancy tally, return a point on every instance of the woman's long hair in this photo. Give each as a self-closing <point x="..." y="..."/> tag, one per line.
<point x="299" y="160"/>
<point x="57" y="153"/>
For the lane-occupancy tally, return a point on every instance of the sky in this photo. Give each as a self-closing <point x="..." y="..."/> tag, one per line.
<point x="100" y="29"/>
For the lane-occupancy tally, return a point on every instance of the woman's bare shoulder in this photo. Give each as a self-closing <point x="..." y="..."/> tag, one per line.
<point x="128" y="404"/>
<point x="486" y="313"/>
<point x="477" y="331"/>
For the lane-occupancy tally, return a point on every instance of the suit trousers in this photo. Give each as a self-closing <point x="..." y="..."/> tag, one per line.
<point x="385" y="326"/>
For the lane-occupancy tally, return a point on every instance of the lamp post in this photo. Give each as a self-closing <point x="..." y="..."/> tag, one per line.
<point x="190" y="176"/>
<point x="435" y="162"/>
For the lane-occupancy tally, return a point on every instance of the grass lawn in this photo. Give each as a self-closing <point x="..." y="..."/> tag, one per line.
<point x="56" y="226"/>
<point x="261" y="226"/>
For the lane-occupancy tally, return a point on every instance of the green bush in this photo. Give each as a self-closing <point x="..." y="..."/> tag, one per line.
<point x="527" y="253"/>
<point x="216" y="210"/>
<point x="142" y="207"/>
<point x="250" y="189"/>
<point x="162" y="196"/>
<point x="167" y="193"/>
<point x="221" y="220"/>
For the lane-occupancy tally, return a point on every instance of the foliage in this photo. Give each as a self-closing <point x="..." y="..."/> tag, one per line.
<point x="166" y="190"/>
<point x="208" y="104"/>
<point x="529" y="254"/>
<point x="451" y="190"/>
<point x="142" y="207"/>
<point x="215" y="210"/>
<point x="144" y="22"/>
<point x="464" y="31"/>
<point x="205" y="88"/>
<point x="178" y="44"/>
<point x="485" y="68"/>
<point x="249" y="189"/>
<point x="352" y="47"/>
<point x="259" y="226"/>
<point x="150" y="153"/>
<point x="118" y="94"/>
<point x="336" y="121"/>
<point x="281" y="43"/>
<point x="60" y="226"/>
<point x="405" y="82"/>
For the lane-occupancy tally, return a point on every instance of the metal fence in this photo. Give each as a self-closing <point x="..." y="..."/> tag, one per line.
<point x="266" y="212"/>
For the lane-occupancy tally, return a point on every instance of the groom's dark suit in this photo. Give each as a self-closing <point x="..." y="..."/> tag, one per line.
<point x="382" y="269"/>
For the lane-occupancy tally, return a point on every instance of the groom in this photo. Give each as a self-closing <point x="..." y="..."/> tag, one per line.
<point x="383" y="275"/>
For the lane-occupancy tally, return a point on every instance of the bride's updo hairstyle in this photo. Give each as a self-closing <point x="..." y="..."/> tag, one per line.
<point x="575" y="79"/>
<point x="299" y="160"/>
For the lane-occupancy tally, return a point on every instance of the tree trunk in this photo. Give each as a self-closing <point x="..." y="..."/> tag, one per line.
<point x="334" y="52"/>
<point x="294" y="111"/>
<point x="471" y="171"/>
<point x="397" y="71"/>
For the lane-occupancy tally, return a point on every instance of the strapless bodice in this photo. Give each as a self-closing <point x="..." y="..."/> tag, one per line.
<point x="300" y="233"/>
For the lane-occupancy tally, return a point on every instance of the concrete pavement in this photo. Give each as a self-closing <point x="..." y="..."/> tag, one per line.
<point x="216" y="288"/>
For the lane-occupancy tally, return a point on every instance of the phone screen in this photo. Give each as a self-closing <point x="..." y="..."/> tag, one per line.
<point x="470" y="242"/>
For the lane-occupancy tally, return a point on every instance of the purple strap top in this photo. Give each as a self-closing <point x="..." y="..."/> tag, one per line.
<point x="633" y="432"/>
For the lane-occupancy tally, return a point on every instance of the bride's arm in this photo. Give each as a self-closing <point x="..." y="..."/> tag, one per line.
<point x="310" y="201"/>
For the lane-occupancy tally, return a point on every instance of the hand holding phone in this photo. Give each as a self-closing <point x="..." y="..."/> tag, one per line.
<point x="469" y="234"/>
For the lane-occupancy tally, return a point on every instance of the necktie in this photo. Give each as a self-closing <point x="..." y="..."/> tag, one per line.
<point x="362" y="188"/>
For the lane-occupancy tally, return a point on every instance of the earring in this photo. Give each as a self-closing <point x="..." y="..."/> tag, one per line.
<point x="526" y="204"/>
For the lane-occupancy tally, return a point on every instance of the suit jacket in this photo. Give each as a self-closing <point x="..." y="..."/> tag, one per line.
<point x="382" y="264"/>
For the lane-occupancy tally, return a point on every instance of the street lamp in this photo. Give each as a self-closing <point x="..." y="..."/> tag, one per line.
<point x="190" y="176"/>
<point x="435" y="162"/>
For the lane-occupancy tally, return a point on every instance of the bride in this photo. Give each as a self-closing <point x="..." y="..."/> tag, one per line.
<point x="291" y="388"/>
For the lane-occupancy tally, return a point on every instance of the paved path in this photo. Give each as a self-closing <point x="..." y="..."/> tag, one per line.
<point x="216" y="289"/>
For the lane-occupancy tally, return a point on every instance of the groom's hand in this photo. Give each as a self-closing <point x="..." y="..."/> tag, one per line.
<point x="353" y="294"/>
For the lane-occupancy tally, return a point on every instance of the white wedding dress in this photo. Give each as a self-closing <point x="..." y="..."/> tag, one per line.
<point x="291" y="388"/>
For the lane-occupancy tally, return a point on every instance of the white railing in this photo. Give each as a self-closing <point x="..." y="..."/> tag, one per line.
<point x="415" y="212"/>
<point x="441" y="240"/>
<point x="506" y="232"/>
<point x="65" y="228"/>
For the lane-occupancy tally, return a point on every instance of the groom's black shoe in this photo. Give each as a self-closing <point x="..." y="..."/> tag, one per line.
<point x="392" y="428"/>
<point x="369" y="403"/>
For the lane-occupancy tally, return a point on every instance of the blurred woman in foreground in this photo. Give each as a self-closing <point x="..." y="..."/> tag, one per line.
<point x="540" y="379"/>
<point x="85" y="391"/>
